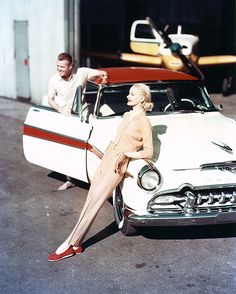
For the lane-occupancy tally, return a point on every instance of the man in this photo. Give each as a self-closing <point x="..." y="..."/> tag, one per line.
<point x="62" y="87"/>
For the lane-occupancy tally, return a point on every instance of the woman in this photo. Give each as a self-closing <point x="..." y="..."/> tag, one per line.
<point x="133" y="141"/>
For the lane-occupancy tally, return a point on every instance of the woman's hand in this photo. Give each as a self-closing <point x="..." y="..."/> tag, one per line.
<point x="119" y="161"/>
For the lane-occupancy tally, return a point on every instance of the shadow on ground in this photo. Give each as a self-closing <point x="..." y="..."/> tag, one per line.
<point x="189" y="232"/>
<point x="62" y="178"/>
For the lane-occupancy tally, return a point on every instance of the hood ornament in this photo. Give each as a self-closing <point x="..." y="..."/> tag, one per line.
<point x="223" y="146"/>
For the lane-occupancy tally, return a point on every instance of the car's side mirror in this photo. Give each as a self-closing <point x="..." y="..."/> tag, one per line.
<point x="219" y="107"/>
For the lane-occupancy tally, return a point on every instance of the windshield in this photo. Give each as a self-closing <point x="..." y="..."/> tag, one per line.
<point x="167" y="97"/>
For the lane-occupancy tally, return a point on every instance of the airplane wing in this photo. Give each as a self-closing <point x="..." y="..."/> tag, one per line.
<point x="141" y="58"/>
<point x="125" y="57"/>
<point x="216" y="60"/>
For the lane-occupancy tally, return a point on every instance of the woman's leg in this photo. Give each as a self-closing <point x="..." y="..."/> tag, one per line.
<point x="100" y="191"/>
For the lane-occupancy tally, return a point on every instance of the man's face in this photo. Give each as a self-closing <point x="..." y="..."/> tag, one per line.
<point x="64" y="68"/>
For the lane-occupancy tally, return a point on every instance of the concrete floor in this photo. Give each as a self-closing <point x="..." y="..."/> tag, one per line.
<point x="35" y="218"/>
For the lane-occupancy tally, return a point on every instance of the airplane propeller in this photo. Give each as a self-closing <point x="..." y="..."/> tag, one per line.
<point x="176" y="49"/>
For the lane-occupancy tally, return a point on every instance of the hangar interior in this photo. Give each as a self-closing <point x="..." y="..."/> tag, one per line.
<point x="105" y="26"/>
<point x="32" y="37"/>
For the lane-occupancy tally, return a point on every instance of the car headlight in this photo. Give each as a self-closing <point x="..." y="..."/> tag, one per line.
<point x="149" y="178"/>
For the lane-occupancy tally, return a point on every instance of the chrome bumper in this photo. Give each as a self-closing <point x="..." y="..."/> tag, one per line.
<point x="180" y="220"/>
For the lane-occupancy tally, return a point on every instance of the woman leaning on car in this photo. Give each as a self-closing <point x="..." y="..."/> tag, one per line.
<point x="133" y="141"/>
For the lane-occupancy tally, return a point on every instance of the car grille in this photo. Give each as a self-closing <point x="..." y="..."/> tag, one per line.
<point x="189" y="201"/>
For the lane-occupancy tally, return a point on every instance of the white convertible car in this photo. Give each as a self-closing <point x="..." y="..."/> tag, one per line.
<point x="191" y="178"/>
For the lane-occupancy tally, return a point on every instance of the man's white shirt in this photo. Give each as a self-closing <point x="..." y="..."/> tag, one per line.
<point x="63" y="91"/>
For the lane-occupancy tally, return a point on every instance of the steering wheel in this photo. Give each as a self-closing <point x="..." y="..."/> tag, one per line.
<point x="182" y="100"/>
<point x="167" y="107"/>
<point x="188" y="101"/>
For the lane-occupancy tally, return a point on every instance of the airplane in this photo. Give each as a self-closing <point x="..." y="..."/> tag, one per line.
<point x="151" y="46"/>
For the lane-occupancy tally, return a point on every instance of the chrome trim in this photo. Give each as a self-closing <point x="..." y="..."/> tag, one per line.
<point x="195" y="188"/>
<point x="224" y="166"/>
<point x="223" y="146"/>
<point x="187" y="201"/>
<point x="181" y="220"/>
<point x="190" y="202"/>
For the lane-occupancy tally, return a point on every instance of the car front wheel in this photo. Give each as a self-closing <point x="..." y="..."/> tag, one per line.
<point x="118" y="204"/>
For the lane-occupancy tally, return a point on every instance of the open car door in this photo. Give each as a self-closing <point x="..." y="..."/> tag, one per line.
<point x="57" y="142"/>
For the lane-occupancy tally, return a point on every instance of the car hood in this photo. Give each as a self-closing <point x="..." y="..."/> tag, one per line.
<point x="188" y="140"/>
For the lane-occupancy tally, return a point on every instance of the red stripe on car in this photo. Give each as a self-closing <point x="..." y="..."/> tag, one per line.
<point x="59" y="138"/>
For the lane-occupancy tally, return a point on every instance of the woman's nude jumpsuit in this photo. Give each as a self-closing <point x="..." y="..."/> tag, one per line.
<point x="134" y="135"/>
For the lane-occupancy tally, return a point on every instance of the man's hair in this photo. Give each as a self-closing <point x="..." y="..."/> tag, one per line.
<point x="65" y="56"/>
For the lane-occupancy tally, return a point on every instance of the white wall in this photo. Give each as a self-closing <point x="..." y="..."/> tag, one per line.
<point x="46" y="39"/>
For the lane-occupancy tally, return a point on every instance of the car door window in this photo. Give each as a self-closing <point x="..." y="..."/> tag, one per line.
<point x="84" y="103"/>
<point x="113" y="102"/>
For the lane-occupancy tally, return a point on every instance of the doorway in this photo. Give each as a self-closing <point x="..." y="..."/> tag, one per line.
<point x="22" y="59"/>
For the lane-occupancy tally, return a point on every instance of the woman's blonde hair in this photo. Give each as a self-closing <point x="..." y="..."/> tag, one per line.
<point x="145" y="91"/>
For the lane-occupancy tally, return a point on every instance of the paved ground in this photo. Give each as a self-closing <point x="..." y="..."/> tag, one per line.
<point x="34" y="219"/>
